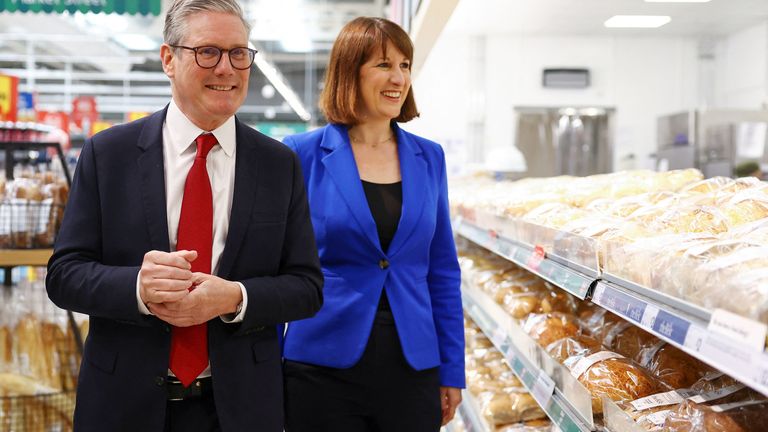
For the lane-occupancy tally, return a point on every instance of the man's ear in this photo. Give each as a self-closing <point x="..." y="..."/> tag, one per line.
<point x="166" y="57"/>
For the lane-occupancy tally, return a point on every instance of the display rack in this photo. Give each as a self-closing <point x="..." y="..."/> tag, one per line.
<point x="682" y="324"/>
<point x="470" y="416"/>
<point x="10" y="258"/>
<point x="565" y="401"/>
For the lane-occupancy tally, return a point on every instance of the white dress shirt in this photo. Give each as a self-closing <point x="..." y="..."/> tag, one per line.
<point x="179" y="149"/>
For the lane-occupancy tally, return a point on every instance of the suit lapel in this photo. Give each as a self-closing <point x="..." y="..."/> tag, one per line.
<point x="413" y="169"/>
<point x="243" y="197"/>
<point x="152" y="176"/>
<point x="340" y="165"/>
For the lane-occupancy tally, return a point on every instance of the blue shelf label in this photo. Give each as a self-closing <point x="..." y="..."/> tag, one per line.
<point x="672" y="327"/>
<point x="622" y="304"/>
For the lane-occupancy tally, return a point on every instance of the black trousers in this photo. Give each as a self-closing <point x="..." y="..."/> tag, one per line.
<point x="192" y="415"/>
<point x="381" y="393"/>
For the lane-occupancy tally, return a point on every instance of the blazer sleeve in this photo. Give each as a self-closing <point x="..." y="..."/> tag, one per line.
<point x="76" y="279"/>
<point x="296" y="292"/>
<point x="444" y="279"/>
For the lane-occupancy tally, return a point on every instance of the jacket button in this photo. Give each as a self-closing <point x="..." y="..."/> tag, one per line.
<point x="160" y="381"/>
<point x="383" y="264"/>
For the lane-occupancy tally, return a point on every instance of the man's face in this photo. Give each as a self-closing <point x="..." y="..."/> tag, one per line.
<point x="208" y="97"/>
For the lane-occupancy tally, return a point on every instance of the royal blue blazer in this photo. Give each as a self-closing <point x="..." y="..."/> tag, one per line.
<point x="419" y="272"/>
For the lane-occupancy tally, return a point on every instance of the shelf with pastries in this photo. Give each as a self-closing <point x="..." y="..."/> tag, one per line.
<point x="618" y="363"/>
<point x="566" y="402"/>
<point x="694" y="282"/>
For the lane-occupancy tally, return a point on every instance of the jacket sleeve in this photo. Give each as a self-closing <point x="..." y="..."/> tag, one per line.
<point x="76" y="279"/>
<point x="296" y="292"/>
<point x="444" y="279"/>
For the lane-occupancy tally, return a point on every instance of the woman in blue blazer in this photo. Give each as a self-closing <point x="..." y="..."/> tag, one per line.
<point x="386" y="350"/>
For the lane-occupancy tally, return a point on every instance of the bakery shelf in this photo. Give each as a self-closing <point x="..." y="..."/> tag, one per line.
<point x="566" y="402"/>
<point x="687" y="327"/>
<point x="568" y="275"/>
<point x="683" y="324"/>
<point x="470" y="415"/>
<point x="19" y="257"/>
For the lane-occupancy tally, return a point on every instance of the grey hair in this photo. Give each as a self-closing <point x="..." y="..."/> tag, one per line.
<point x="176" y="18"/>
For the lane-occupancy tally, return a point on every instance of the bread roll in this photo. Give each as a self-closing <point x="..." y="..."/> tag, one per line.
<point x="547" y="328"/>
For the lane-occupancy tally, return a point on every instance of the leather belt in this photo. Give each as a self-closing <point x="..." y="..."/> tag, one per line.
<point x="199" y="388"/>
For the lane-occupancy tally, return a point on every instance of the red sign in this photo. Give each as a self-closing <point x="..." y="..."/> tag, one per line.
<point x="59" y="120"/>
<point x="84" y="111"/>
<point x="9" y="95"/>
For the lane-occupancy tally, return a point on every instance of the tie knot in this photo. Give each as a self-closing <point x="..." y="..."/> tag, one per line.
<point x="205" y="143"/>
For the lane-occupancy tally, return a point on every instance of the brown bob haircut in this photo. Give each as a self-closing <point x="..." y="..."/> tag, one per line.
<point x="356" y="43"/>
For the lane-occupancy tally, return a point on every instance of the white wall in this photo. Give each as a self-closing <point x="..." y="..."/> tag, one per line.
<point x="741" y="69"/>
<point x="641" y="78"/>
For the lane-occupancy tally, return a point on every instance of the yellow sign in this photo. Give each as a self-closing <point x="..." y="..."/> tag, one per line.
<point x="99" y="126"/>
<point x="8" y="95"/>
<point x="135" y="115"/>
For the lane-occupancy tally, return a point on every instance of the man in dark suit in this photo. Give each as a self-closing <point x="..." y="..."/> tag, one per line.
<point x="187" y="239"/>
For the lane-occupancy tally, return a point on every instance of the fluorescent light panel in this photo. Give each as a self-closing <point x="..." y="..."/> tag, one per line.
<point x="282" y="87"/>
<point x="636" y="21"/>
<point x="677" y="1"/>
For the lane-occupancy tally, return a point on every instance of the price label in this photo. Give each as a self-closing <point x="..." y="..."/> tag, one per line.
<point x="536" y="258"/>
<point x="671" y="326"/>
<point x="748" y="332"/>
<point x="543" y="388"/>
<point x="694" y="340"/>
<point x="649" y="317"/>
<point x="597" y="296"/>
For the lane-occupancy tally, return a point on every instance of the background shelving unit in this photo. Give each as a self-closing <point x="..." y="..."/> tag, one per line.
<point x="682" y="324"/>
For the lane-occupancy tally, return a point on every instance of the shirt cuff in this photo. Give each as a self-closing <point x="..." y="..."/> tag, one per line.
<point x="142" y="307"/>
<point x="232" y="318"/>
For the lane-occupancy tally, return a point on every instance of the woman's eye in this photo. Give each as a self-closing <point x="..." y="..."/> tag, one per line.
<point x="383" y="65"/>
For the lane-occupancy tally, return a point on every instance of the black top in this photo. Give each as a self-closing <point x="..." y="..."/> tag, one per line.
<point x="385" y="202"/>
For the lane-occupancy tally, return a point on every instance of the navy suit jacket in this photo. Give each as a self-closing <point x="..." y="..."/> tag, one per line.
<point x="116" y="213"/>
<point x="421" y="274"/>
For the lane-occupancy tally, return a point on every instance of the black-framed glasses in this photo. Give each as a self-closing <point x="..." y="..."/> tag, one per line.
<point x="207" y="57"/>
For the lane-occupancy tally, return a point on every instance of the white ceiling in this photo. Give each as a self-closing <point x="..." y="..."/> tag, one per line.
<point x="586" y="17"/>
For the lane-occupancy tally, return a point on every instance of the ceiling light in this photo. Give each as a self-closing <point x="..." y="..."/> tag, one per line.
<point x="677" y="1"/>
<point x="636" y="21"/>
<point x="278" y="81"/>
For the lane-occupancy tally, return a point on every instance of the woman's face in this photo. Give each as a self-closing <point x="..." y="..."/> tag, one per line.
<point x="384" y="83"/>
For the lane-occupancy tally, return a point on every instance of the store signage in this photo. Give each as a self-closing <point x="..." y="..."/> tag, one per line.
<point x="26" y="106"/>
<point x="84" y="113"/>
<point x="9" y="94"/>
<point x="123" y="7"/>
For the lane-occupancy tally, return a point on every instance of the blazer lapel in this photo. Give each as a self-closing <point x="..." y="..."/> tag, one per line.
<point x="243" y="197"/>
<point x="152" y="176"/>
<point x="340" y="165"/>
<point x="413" y="169"/>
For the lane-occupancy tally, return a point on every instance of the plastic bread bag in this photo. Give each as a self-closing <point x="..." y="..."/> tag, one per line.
<point x="547" y="328"/>
<point x="673" y="267"/>
<point x="600" y="325"/>
<point x="691" y="219"/>
<point x="630" y="341"/>
<point x="676" y="179"/>
<point x="650" y="412"/>
<point x="744" y="416"/>
<point x="570" y="347"/>
<point x="511" y="406"/>
<point x="710" y="185"/>
<point x="524" y="283"/>
<point x="554" y="215"/>
<point x="520" y="305"/>
<point x="608" y="374"/>
<point x="745" y="207"/>
<point x="672" y="366"/>
<point x="736" y="282"/>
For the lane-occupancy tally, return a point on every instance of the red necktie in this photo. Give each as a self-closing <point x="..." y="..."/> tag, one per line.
<point x="189" y="345"/>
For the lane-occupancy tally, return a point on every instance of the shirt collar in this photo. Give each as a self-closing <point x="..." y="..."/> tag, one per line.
<point x="183" y="132"/>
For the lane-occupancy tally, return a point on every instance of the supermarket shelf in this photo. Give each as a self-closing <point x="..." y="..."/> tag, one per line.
<point x="683" y="324"/>
<point x="565" y="401"/>
<point x="20" y="257"/>
<point x="470" y="415"/>
<point x="689" y="332"/>
<point x="568" y="275"/>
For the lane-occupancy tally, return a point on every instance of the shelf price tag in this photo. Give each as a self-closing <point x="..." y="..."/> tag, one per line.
<point x="543" y="388"/>
<point x="535" y="259"/>
<point x="694" y="339"/>
<point x="671" y="326"/>
<point x="750" y="333"/>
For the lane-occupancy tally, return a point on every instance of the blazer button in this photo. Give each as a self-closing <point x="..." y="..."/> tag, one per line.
<point x="383" y="264"/>
<point x="160" y="381"/>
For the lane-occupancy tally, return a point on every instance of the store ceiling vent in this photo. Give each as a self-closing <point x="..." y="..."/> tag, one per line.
<point x="565" y="78"/>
